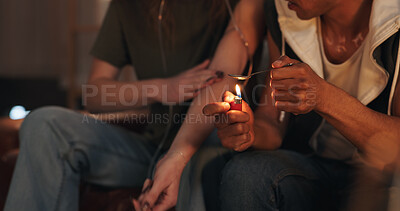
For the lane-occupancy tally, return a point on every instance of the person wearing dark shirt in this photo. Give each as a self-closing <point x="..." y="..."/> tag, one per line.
<point x="178" y="54"/>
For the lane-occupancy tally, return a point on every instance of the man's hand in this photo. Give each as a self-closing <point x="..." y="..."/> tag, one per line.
<point x="235" y="128"/>
<point x="188" y="84"/>
<point x="297" y="88"/>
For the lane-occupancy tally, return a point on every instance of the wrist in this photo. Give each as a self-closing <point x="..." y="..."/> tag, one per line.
<point x="328" y="92"/>
<point x="322" y="98"/>
<point x="178" y="157"/>
<point x="158" y="90"/>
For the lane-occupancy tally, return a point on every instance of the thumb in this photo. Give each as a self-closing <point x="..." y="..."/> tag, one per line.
<point x="283" y="61"/>
<point x="216" y="108"/>
<point x="153" y="194"/>
<point x="228" y="97"/>
<point x="202" y="65"/>
<point x="136" y="204"/>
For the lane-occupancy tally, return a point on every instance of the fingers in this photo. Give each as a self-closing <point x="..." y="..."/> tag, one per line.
<point x="286" y="106"/>
<point x="237" y="116"/>
<point x="204" y="75"/>
<point x="216" y="108"/>
<point x="288" y="84"/>
<point x="237" y="143"/>
<point x="136" y="204"/>
<point x="228" y="96"/>
<point x="243" y="146"/>
<point x="201" y="79"/>
<point x="147" y="185"/>
<point x="298" y="71"/>
<point x="282" y="61"/>
<point x="205" y="78"/>
<point x="295" y="108"/>
<point x="201" y="66"/>
<point x="281" y="70"/>
<point x="290" y="96"/>
<point x="152" y="195"/>
<point x="234" y="130"/>
<point x="164" y="205"/>
<point x="231" y="117"/>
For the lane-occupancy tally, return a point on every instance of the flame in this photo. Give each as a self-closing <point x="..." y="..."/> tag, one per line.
<point x="238" y="93"/>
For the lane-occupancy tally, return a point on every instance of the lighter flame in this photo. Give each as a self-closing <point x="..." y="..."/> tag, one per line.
<point x="238" y="93"/>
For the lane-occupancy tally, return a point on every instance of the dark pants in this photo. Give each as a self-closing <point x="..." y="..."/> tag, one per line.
<point x="283" y="180"/>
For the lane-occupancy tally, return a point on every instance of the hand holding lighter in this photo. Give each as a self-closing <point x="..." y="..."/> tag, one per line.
<point x="236" y="104"/>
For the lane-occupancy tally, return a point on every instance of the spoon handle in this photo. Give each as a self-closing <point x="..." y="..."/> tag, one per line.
<point x="262" y="71"/>
<point x="269" y="69"/>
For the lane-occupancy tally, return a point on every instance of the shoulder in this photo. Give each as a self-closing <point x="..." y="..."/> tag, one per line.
<point x="126" y="10"/>
<point x="396" y="99"/>
<point x="121" y="5"/>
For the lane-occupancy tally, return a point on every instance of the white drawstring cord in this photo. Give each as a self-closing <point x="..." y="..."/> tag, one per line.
<point x="243" y="38"/>
<point x="394" y="82"/>
<point x="282" y="114"/>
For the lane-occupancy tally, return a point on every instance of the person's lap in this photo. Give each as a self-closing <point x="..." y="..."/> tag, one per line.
<point x="59" y="148"/>
<point x="281" y="180"/>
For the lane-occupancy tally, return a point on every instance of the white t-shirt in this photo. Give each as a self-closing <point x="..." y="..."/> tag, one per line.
<point x="328" y="142"/>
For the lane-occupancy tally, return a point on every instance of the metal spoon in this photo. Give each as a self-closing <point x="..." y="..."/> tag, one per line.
<point x="245" y="77"/>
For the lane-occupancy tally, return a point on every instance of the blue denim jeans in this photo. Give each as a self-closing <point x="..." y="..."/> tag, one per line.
<point x="282" y="180"/>
<point x="60" y="148"/>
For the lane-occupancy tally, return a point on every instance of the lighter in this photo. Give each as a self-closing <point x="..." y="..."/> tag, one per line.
<point x="237" y="101"/>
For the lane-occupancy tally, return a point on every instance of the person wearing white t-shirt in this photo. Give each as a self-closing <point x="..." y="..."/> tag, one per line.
<point x="341" y="99"/>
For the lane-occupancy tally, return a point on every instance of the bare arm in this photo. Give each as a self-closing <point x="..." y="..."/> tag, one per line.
<point x="242" y="129"/>
<point x="113" y="95"/>
<point x="230" y="57"/>
<point x="375" y="134"/>
<point x="105" y="93"/>
<point x="266" y="122"/>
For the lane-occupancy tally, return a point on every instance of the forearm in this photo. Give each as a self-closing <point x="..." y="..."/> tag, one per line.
<point x="231" y="57"/>
<point x="268" y="136"/>
<point x="103" y="95"/>
<point x="268" y="129"/>
<point x="197" y="127"/>
<point x="192" y="134"/>
<point x="375" y="134"/>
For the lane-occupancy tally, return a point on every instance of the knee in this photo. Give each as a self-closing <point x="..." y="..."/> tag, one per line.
<point x="44" y="115"/>
<point x="244" y="172"/>
<point x="246" y="182"/>
<point x="47" y="113"/>
<point x="251" y="177"/>
<point x="41" y="122"/>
